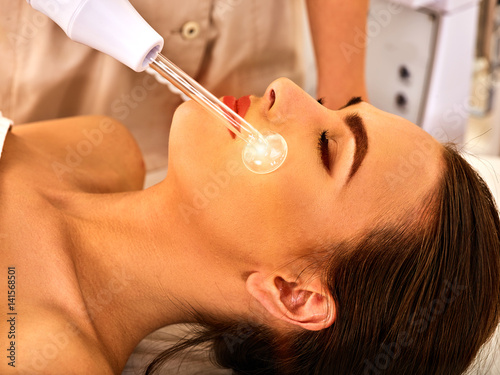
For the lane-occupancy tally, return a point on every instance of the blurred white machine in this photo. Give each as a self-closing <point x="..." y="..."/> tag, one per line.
<point x="420" y="61"/>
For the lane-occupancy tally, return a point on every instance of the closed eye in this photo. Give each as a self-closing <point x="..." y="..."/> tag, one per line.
<point x="355" y="124"/>
<point x="324" y="150"/>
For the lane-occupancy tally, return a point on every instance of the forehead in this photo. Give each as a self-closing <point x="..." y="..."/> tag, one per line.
<point x="401" y="167"/>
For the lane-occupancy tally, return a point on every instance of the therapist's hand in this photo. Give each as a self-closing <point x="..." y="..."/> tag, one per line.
<point x="338" y="29"/>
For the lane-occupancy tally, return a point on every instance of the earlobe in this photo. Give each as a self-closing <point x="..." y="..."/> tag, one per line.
<point x="309" y="306"/>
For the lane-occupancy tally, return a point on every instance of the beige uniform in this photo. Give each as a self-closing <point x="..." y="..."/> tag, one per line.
<point x="232" y="47"/>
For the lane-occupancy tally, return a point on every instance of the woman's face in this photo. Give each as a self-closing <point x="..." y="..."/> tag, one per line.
<point x="346" y="171"/>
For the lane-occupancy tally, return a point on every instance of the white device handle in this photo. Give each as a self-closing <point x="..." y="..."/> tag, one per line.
<point x="110" y="26"/>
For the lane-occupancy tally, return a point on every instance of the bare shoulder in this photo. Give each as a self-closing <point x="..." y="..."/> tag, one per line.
<point x="47" y="344"/>
<point x="94" y="149"/>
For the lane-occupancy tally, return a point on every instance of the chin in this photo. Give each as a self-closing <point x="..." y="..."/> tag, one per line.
<point x="186" y="112"/>
<point x="185" y="123"/>
<point x="193" y="141"/>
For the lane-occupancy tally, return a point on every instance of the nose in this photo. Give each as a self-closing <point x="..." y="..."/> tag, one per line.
<point x="295" y="114"/>
<point x="285" y="101"/>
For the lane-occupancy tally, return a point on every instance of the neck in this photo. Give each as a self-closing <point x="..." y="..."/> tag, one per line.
<point x="141" y="266"/>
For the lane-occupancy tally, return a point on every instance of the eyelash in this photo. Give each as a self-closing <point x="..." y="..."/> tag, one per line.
<point x="324" y="150"/>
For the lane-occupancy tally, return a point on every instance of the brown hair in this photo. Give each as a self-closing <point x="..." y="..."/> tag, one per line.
<point x="412" y="298"/>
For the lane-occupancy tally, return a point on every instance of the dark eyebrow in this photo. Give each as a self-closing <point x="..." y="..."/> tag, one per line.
<point x="352" y="101"/>
<point x="355" y="123"/>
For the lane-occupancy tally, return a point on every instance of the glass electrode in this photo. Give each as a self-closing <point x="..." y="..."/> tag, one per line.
<point x="115" y="28"/>
<point x="263" y="153"/>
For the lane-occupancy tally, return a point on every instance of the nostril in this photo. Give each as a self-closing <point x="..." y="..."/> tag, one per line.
<point x="272" y="97"/>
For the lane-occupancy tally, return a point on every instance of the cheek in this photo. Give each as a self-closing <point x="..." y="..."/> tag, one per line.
<point x="199" y="144"/>
<point x="294" y="208"/>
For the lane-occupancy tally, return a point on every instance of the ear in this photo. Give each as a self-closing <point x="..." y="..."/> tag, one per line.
<point x="309" y="305"/>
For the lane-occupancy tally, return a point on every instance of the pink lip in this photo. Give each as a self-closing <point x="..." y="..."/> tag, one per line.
<point x="240" y="106"/>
